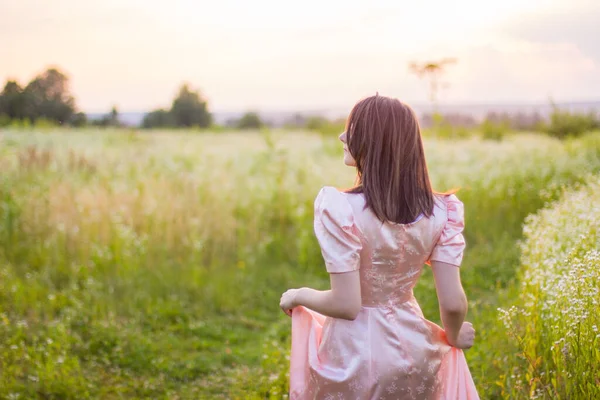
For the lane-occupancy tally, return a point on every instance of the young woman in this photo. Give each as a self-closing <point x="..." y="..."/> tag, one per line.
<point x="366" y="338"/>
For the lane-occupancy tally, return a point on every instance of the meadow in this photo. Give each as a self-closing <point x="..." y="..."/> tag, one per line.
<point x="555" y="319"/>
<point x="150" y="264"/>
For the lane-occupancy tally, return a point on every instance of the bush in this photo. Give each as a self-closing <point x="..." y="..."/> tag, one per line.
<point x="564" y="123"/>
<point x="158" y="119"/>
<point x="20" y="124"/>
<point x="79" y="120"/>
<point x="44" y="124"/>
<point x="250" y="120"/>
<point x="557" y="322"/>
<point x="429" y="120"/>
<point x="324" y="126"/>
<point x="4" y="120"/>
<point x="520" y="121"/>
<point x="443" y="128"/>
<point x="493" y="130"/>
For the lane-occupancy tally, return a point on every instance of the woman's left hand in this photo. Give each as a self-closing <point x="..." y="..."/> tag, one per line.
<point x="288" y="301"/>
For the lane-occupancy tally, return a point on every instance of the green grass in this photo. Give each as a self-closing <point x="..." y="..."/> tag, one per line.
<point x="555" y="320"/>
<point x="150" y="265"/>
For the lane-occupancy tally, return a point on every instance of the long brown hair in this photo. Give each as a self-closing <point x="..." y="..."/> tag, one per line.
<point x="384" y="138"/>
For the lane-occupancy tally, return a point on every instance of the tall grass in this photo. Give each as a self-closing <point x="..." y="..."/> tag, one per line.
<point x="150" y="265"/>
<point x="555" y="322"/>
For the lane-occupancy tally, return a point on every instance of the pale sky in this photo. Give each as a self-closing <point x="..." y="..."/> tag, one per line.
<point x="283" y="55"/>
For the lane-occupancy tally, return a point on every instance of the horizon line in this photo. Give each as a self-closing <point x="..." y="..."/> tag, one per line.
<point x="301" y="110"/>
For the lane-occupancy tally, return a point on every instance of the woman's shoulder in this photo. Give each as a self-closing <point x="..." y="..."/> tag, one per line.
<point x="448" y="208"/>
<point x="335" y="203"/>
<point x="330" y="196"/>
<point x="333" y="194"/>
<point x="328" y="191"/>
<point x="444" y="201"/>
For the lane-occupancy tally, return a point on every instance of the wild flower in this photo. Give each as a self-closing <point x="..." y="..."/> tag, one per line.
<point x="560" y="286"/>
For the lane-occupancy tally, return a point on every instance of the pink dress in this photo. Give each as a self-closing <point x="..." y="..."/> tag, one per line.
<point x="390" y="351"/>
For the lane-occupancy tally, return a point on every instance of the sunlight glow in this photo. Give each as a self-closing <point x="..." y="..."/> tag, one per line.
<point x="272" y="54"/>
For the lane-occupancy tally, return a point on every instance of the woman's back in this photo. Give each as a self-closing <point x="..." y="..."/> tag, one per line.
<point x="390" y="351"/>
<point x="393" y="255"/>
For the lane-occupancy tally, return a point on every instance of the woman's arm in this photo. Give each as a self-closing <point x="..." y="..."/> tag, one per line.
<point x="343" y="300"/>
<point x="452" y="299"/>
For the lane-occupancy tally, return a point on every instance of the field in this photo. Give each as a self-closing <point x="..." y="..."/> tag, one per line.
<point x="150" y="265"/>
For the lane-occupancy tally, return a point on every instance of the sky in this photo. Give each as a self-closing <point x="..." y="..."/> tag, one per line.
<point x="282" y="55"/>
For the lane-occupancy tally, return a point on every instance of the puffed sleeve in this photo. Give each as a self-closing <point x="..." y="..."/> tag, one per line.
<point x="338" y="235"/>
<point x="451" y="244"/>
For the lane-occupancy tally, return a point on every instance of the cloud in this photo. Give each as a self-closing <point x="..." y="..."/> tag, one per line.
<point x="530" y="72"/>
<point x="577" y="25"/>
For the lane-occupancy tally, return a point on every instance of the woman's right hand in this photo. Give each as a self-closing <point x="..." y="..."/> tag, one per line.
<point x="466" y="336"/>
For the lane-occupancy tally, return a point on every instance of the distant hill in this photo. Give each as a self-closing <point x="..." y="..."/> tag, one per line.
<point x="477" y="111"/>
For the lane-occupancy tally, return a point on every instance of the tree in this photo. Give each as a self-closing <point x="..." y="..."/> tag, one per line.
<point x="79" y="120"/>
<point x="113" y="117"/>
<point x="12" y="101"/>
<point x="250" y="120"/>
<point x="160" y="118"/>
<point x="190" y="109"/>
<point x="47" y="96"/>
<point x="432" y="71"/>
<point x="110" y="119"/>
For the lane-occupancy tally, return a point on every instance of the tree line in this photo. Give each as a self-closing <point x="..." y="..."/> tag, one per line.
<point x="48" y="98"/>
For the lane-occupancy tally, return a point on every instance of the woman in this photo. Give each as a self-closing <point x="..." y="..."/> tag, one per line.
<point x="366" y="338"/>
